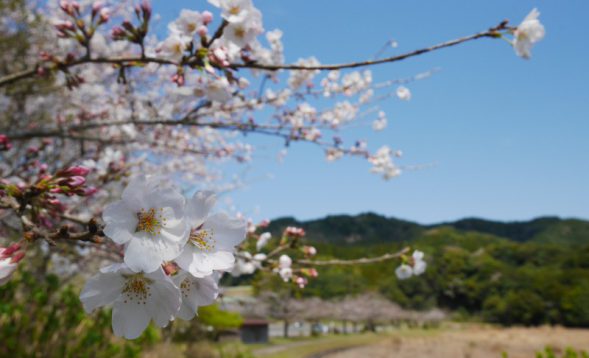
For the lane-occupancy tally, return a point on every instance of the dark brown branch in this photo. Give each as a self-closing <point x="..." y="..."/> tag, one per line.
<point x="491" y="33"/>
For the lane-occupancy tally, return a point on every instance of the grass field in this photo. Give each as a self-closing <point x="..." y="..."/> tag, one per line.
<point x="453" y="340"/>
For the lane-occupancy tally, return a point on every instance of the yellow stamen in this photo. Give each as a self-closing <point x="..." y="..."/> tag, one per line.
<point x="137" y="289"/>
<point x="150" y="221"/>
<point x="203" y="239"/>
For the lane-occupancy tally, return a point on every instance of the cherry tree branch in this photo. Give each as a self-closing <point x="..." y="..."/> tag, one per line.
<point x="359" y="261"/>
<point x="493" y="32"/>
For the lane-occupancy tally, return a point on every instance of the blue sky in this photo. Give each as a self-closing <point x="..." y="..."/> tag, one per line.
<point x="508" y="137"/>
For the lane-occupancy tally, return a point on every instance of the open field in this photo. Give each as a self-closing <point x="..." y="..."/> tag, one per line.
<point x="459" y="341"/>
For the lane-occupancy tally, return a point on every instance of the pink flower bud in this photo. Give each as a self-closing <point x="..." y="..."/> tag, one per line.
<point x="96" y="7"/>
<point x="77" y="170"/>
<point x="87" y="191"/>
<point x="202" y="31"/>
<point x="17" y="257"/>
<point x="127" y="25"/>
<point x="10" y="250"/>
<point x="75" y="181"/>
<point x="207" y="17"/>
<point x="310" y="250"/>
<point x="104" y="16"/>
<point x="117" y="33"/>
<point x="146" y="7"/>
<point x="4" y="143"/>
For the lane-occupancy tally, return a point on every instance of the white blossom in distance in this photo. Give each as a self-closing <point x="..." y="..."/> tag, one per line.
<point x="263" y="240"/>
<point x="246" y="264"/>
<point x="195" y="292"/>
<point x="284" y="267"/>
<point x="381" y="122"/>
<point x="383" y="163"/>
<point x="403" y="272"/>
<point x="188" y="23"/>
<point x="149" y="221"/>
<point x="527" y="34"/>
<point x="219" y="90"/>
<point x="212" y="238"/>
<point x="137" y="298"/>
<point x="403" y="93"/>
<point x="417" y="267"/>
<point x="234" y="10"/>
<point x="174" y="46"/>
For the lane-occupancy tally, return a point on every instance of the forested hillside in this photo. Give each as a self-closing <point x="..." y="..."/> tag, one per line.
<point x="531" y="273"/>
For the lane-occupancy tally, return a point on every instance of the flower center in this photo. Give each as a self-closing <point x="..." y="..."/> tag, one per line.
<point x="137" y="288"/>
<point x="150" y="221"/>
<point x="203" y="239"/>
<point x="191" y="27"/>
<point x="239" y="32"/>
<point x="185" y="287"/>
<point x="234" y="10"/>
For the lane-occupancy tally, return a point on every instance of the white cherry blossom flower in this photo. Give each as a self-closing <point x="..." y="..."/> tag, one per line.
<point x="149" y="221"/>
<point x="196" y="292"/>
<point x="403" y="272"/>
<point x="212" y="238"/>
<point x="219" y="90"/>
<point x="284" y="267"/>
<point x="240" y="34"/>
<point x="188" y="23"/>
<point x="403" y="93"/>
<point x="137" y="298"/>
<point x="527" y="34"/>
<point x="381" y="122"/>
<point x="174" y="46"/>
<point x="234" y="10"/>
<point x="246" y="264"/>
<point x="263" y="240"/>
<point x="383" y="163"/>
<point x="419" y="265"/>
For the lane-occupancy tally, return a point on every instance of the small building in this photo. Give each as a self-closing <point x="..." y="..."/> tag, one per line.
<point x="254" y="330"/>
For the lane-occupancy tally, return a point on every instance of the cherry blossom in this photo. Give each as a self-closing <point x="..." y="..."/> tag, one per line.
<point x="137" y="298"/>
<point x="263" y="240"/>
<point x="212" y="238"/>
<point x="380" y="123"/>
<point x="527" y="34"/>
<point x="403" y="272"/>
<point x="403" y="93"/>
<point x="149" y="221"/>
<point x="196" y="292"/>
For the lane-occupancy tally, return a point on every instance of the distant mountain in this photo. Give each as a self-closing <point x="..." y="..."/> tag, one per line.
<point x="370" y="228"/>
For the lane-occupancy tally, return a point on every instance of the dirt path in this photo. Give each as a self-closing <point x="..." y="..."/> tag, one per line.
<point x="474" y="342"/>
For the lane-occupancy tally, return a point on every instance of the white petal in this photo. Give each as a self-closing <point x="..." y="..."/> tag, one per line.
<point x="135" y="192"/>
<point x="121" y="222"/>
<point x="164" y="302"/>
<point x="166" y="198"/>
<point x="101" y="290"/>
<point x="419" y="267"/>
<point x="199" y="206"/>
<point x="129" y="319"/>
<point x="227" y="232"/>
<point x="141" y="255"/>
<point x="201" y="264"/>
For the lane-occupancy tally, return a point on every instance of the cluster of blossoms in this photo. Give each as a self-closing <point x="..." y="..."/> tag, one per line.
<point x="173" y="251"/>
<point x="284" y="267"/>
<point x="411" y="266"/>
<point x="123" y="103"/>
